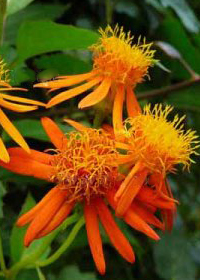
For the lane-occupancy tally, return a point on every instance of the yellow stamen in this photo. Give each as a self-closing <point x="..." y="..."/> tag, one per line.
<point x="87" y="165"/>
<point x="160" y="143"/>
<point x="117" y="58"/>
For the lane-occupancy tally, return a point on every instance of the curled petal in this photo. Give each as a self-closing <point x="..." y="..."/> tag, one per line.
<point x="65" y="81"/>
<point x="117" y="238"/>
<point x="4" y="156"/>
<point x="94" y="238"/>
<point x="55" y="134"/>
<point x="57" y="220"/>
<point x="43" y="217"/>
<point x="12" y="131"/>
<point x="97" y="95"/>
<point x="65" y="95"/>
<point x="30" y="215"/>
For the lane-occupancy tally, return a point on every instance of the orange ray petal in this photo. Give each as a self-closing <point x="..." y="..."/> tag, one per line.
<point x="12" y="88"/>
<point x="139" y="224"/>
<point x="145" y="213"/>
<point x="134" y="220"/>
<point x="17" y="107"/>
<point x="168" y="217"/>
<point x="12" y="131"/>
<point x="138" y="166"/>
<point x="94" y="238"/>
<point x="34" y="155"/>
<point x="4" y="156"/>
<point x="29" y="167"/>
<point x="65" y="95"/>
<point x="44" y="217"/>
<point x="117" y="238"/>
<point x="21" y="99"/>
<point x="130" y="192"/>
<point x="68" y="81"/>
<point x="78" y="126"/>
<point x="54" y="133"/>
<point x="4" y="84"/>
<point x="147" y="195"/>
<point x="97" y="95"/>
<point x="57" y="220"/>
<point x="118" y="110"/>
<point x="30" y="215"/>
<point x="85" y="75"/>
<point x="132" y="105"/>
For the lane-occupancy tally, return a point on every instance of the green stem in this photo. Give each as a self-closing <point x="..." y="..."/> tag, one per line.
<point x="30" y="259"/>
<point x="2" y="261"/>
<point x="109" y="11"/>
<point x="65" y="245"/>
<point x="2" y="18"/>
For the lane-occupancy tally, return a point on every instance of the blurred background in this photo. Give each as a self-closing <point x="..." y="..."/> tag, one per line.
<point x="39" y="44"/>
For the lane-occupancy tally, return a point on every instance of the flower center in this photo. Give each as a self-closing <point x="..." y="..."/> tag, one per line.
<point x="87" y="166"/>
<point x="160" y="143"/>
<point x="115" y="56"/>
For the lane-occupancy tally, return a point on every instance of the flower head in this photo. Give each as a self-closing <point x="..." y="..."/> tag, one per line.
<point x="116" y="57"/>
<point x="155" y="146"/>
<point x="13" y="103"/>
<point x="118" y="65"/>
<point x="86" y="166"/>
<point x="84" y="169"/>
<point x="159" y="143"/>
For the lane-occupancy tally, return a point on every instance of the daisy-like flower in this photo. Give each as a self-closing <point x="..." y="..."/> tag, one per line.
<point x="118" y="66"/>
<point x="84" y="169"/>
<point x="155" y="147"/>
<point x="16" y="104"/>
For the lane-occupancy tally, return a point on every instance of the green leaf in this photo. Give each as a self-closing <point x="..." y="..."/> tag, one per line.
<point x="167" y="32"/>
<point x="184" y="12"/>
<point x="33" y="129"/>
<point x="31" y="12"/>
<point x="2" y="193"/>
<point x="17" y="234"/>
<point x="27" y="274"/>
<point x="21" y="74"/>
<point x="173" y="257"/>
<point x="14" y="6"/>
<point x="187" y="98"/>
<point x="18" y="251"/>
<point x="72" y="272"/>
<point x="29" y="128"/>
<point x="60" y="64"/>
<point x="37" y="37"/>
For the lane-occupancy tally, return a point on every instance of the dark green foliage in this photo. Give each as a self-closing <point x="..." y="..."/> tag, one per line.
<point x="44" y="39"/>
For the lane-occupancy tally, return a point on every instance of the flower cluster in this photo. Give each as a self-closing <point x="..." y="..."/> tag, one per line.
<point x="120" y="169"/>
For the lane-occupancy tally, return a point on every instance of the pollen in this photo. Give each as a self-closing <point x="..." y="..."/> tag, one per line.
<point x="116" y="57"/>
<point x="87" y="166"/>
<point x="158" y="143"/>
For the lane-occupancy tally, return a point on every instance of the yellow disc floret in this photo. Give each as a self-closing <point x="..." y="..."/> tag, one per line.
<point x="115" y="57"/>
<point x="87" y="166"/>
<point x="158" y="143"/>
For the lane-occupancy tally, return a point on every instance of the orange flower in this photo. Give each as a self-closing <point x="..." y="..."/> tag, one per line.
<point x="155" y="146"/>
<point x="13" y="103"/>
<point x="117" y="67"/>
<point x="85" y="170"/>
